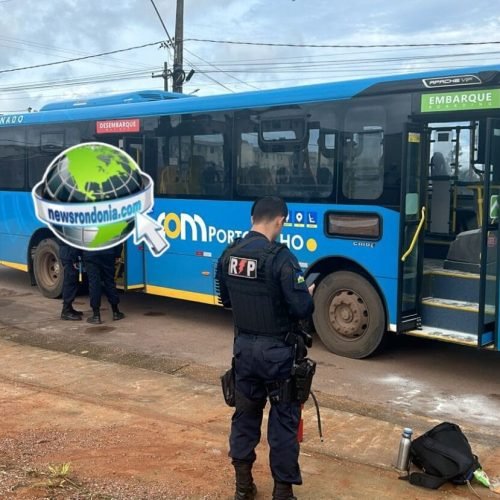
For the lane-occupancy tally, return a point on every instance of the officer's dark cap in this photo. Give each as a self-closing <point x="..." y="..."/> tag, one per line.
<point x="268" y="208"/>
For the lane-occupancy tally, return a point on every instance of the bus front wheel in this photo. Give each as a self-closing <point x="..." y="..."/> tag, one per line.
<point x="48" y="269"/>
<point x="349" y="316"/>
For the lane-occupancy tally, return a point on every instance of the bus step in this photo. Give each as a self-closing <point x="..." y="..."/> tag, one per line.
<point x="458" y="315"/>
<point x="451" y="285"/>
<point x="444" y="335"/>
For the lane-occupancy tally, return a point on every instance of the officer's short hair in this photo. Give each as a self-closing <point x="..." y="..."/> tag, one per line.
<point x="268" y="208"/>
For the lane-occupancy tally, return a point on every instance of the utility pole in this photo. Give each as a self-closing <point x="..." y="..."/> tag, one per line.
<point x="165" y="75"/>
<point x="178" y="74"/>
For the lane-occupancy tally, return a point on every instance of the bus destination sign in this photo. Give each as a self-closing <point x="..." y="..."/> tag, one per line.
<point x="118" y="126"/>
<point x="460" y="101"/>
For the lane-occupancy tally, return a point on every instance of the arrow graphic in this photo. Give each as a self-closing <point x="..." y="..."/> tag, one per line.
<point x="147" y="230"/>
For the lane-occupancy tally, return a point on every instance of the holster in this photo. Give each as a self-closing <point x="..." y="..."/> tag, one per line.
<point x="229" y="386"/>
<point x="281" y="391"/>
<point x="297" y="387"/>
<point x="302" y="375"/>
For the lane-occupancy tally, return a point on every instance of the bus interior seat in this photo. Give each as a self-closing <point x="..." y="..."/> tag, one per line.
<point x="259" y="181"/>
<point x="170" y="182"/>
<point x="441" y="198"/>
<point x="282" y="176"/>
<point x="194" y="184"/>
<point x="464" y="253"/>
<point x="439" y="165"/>
<point x="212" y="181"/>
<point x="324" y="176"/>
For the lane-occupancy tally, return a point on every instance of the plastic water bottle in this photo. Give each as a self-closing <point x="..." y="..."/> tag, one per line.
<point x="403" y="460"/>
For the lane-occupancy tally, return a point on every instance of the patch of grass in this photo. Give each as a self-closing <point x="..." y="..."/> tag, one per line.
<point x="57" y="477"/>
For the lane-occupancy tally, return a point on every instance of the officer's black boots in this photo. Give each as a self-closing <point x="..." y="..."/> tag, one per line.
<point x="117" y="315"/>
<point x="245" y="487"/>
<point x="74" y="311"/>
<point x="283" y="491"/>
<point x="95" y="319"/>
<point x="69" y="314"/>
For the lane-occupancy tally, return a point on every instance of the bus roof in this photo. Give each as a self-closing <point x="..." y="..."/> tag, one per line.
<point x="122" y="98"/>
<point x="412" y="82"/>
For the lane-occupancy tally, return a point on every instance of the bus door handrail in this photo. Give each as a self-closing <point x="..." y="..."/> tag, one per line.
<point x="415" y="236"/>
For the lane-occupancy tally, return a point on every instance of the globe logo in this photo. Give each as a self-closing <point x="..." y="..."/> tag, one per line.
<point x="94" y="195"/>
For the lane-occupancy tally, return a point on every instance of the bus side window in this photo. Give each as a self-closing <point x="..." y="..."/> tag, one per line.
<point x="43" y="145"/>
<point x="363" y="152"/>
<point x="12" y="158"/>
<point x="194" y="161"/>
<point x="254" y="168"/>
<point x="286" y="151"/>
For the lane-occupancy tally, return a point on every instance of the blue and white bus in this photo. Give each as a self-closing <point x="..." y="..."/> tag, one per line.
<point x="392" y="183"/>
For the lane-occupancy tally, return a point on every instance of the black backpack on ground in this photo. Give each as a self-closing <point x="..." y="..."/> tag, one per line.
<point x="444" y="454"/>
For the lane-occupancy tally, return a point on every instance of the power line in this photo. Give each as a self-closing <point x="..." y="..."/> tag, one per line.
<point x="340" y="46"/>
<point x="83" y="80"/>
<point x="32" y="46"/>
<point x="187" y="60"/>
<point x="163" y="24"/>
<point x="221" y="70"/>
<point x="82" y="58"/>
<point x="335" y="62"/>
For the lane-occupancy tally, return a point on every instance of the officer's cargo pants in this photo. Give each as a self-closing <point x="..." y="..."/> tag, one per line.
<point x="260" y="359"/>
<point x="70" y="282"/>
<point x="101" y="275"/>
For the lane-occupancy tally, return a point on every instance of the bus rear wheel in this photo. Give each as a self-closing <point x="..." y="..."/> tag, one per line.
<point x="48" y="269"/>
<point x="349" y="315"/>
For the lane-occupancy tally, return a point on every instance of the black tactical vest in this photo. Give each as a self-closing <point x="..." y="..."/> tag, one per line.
<point x="256" y="298"/>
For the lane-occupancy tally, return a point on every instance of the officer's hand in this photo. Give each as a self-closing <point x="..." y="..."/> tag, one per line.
<point x="311" y="288"/>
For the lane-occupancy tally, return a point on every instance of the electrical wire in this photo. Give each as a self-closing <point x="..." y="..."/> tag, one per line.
<point x="350" y="46"/>
<point x="223" y="71"/>
<point x="82" y="58"/>
<point x="28" y="45"/>
<point x="70" y="81"/>
<point x="351" y="61"/>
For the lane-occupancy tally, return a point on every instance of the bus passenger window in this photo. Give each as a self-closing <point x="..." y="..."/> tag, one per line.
<point x="12" y="158"/>
<point x="284" y="157"/>
<point x="43" y="145"/>
<point x="363" y="152"/>
<point x="255" y="169"/>
<point x="193" y="158"/>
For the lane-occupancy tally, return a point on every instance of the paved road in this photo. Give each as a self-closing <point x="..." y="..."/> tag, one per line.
<point x="410" y="377"/>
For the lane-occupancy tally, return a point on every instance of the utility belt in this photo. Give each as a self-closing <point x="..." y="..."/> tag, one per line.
<point x="273" y="335"/>
<point x="295" y="388"/>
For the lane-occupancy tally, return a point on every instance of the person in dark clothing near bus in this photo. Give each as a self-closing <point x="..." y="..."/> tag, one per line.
<point x="69" y="257"/>
<point x="100" y="266"/>
<point x="263" y="283"/>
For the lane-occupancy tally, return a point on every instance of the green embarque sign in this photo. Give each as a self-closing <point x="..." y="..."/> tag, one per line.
<point x="460" y="101"/>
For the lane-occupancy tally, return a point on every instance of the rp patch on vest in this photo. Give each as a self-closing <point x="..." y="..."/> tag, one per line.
<point x="242" y="268"/>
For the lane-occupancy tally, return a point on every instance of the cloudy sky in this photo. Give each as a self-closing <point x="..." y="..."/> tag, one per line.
<point x="36" y="32"/>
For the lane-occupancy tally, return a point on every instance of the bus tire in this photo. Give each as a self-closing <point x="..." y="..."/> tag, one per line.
<point x="48" y="269"/>
<point x="349" y="316"/>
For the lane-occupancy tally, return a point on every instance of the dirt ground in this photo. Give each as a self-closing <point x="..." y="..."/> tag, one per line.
<point x="408" y="379"/>
<point x="133" y="410"/>
<point x="130" y="433"/>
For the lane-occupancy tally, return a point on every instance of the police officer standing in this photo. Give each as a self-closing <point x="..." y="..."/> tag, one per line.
<point x="100" y="266"/>
<point x="69" y="259"/>
<point x="263" y="283"/>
